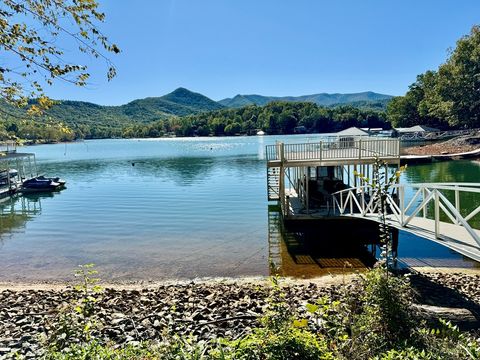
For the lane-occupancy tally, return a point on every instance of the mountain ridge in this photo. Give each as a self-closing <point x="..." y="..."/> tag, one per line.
<point x="182" y="102"/>
<point x="323" y="99"/>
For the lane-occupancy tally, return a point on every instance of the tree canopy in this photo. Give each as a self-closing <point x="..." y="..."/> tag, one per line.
<point x="448" y="97"/>
<point x="31" y="32"/>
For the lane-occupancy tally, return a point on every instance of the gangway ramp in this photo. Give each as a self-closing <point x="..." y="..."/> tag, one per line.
<point x="430" y="213"/>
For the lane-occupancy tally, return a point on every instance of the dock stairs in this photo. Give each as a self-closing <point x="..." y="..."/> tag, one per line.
<point x="273" y="183"/>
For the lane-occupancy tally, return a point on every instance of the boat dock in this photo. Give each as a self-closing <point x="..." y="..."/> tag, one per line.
<point x="15" y="167"/>
<point x="318" y="181"/>
<point x="302" y="177"/>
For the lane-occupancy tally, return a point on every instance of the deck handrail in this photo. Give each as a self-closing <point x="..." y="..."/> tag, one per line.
<point x="353" y="201"/>
<point x="8" y="147"/>
<point x="339" y="148"/>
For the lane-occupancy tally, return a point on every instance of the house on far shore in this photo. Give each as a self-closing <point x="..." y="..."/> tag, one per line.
<point x="352" y="131"/>
<point x="416" y="129"/>
<point x="348" y="136"/>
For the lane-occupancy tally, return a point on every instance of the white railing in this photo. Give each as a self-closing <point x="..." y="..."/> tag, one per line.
<point x="337" y="148"/>
<point x="435" y="135"/>
<point x="360" y="201"/>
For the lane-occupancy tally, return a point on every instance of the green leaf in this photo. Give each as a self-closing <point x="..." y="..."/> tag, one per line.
<point x="300" y="323"/>
<point x="311" y="308"/>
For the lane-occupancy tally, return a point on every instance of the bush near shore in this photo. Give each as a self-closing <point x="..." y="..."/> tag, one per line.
<point x="373" y="317"/>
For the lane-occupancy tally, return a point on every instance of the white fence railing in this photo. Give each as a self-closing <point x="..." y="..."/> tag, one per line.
<point x="361" y="201"/>
<point x="435" y="135"/>
<point x="341" y="148"/>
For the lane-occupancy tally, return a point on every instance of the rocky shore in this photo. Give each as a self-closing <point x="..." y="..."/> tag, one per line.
<point x="460" y="144"/>
<point x="205" y="309"/>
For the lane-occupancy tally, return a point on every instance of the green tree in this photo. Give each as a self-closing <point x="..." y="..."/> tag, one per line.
<point x="449" y="96"/>
<point x="456" y="96"/>
<point x="33" y="58"/>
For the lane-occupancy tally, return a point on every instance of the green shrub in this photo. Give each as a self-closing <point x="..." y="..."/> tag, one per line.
<point x="384" y="320"/>
<point x="291" y="343"/>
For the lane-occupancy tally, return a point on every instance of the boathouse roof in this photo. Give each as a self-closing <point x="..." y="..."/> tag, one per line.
<point x="417" y="128"/>
<point x="353" y="131"/>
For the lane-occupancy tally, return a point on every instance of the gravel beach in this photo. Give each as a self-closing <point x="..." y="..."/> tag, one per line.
<point x="207" y="308"/>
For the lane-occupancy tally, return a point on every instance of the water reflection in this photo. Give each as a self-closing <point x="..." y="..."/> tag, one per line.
<point x="319" y="248"/>
<point x="16" y="211"/>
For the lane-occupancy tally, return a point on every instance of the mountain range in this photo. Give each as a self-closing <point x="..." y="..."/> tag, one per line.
<point x="322" y="99"/>
<point x="183" y="102"/>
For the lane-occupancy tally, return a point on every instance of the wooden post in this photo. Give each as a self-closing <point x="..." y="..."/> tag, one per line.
<point x="307" y="200"/>
<point x="354" y="175"/>
<point x="281" y="180"/>
<point x="424" y="210"/>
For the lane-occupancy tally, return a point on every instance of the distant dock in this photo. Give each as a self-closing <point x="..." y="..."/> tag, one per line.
<point x="15" y="167"/>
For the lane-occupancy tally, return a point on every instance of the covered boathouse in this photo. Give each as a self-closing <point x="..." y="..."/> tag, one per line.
<point x="303" y="177"/>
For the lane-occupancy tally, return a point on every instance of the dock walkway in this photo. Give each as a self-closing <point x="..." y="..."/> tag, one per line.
<point x="430" y="213"/>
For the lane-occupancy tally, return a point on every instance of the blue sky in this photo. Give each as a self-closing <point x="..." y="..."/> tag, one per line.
<point x="272" y="47"/>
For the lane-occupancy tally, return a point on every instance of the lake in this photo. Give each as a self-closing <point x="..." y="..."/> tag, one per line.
<point x="155" y="209"/>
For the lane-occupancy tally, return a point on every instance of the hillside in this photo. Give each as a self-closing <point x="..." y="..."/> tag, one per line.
<point x="322" y="99"/>
<point x="186" y="113"/>
<point x="180" y="102"/>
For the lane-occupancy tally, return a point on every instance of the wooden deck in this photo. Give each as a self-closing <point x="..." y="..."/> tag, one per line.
<point x="297" y="211"/>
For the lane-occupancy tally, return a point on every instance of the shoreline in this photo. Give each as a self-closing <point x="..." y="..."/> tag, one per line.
<point x="460" y="146"/>
<point x="59" y="285"/>
<point x="321" y="281"/>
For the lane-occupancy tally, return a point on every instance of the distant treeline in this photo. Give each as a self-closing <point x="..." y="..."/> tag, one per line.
<point x="273" y="118"/>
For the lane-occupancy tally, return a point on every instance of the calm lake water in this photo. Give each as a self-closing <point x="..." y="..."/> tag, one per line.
<point x="171" y="208"/>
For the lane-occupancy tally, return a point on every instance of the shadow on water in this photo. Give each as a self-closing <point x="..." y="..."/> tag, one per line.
<point x="320" y="247"/>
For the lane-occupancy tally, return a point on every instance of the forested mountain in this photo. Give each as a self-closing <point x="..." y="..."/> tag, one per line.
<point x="180" y="102"/>
<point x="87" y="120"/>
<point x="322" y="99"/>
